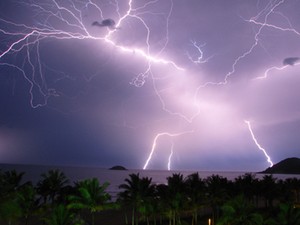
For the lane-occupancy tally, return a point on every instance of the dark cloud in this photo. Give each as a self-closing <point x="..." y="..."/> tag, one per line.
<point x="290" y="61"/>
<point x="66" y="95"/>
<point x="110" y="23"/>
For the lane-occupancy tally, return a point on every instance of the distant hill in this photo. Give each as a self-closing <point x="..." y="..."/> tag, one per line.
<point x="286" y="166"/>
<point x="118" y="168"/>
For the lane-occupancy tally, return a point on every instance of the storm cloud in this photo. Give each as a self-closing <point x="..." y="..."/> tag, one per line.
<point x="290" y="61"/>
<point x="183" y="75"/>
<point x="110" y="23"/>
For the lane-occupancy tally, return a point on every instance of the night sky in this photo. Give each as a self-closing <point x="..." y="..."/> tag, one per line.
<point x="150" y="84"/>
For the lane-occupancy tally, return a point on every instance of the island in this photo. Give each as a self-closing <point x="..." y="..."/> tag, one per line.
<point x="286" y="166"/>
<point x="118" y="168"/>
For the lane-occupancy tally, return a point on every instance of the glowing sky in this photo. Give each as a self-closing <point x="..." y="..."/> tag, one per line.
<point x="197" y="84"/>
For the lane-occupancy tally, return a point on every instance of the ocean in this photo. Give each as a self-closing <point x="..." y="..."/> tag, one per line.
<point x="117" y="177"/>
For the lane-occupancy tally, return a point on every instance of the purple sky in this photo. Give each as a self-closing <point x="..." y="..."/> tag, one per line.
<point x="178" y="78"/>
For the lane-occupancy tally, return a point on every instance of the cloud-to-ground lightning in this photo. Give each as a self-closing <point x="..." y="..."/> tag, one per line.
<point x="159" y="135"/>
<point x="72" y="18"/>
<point x="170" y="156"/>
<point x="257" y="144"/>
<point x="63" y="21"/>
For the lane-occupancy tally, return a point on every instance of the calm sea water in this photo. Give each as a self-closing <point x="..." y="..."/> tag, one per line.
<point x="117" y="177"/>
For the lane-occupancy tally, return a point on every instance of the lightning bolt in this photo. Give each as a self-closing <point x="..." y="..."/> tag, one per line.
<point x="170" y="157"/>
<point x="266" y="73"/>
<point x="140" y="79"/>
<point x="159" y="135"/>
<point x="36" y="34"/>
<point x="257" y="144"/>
<point x="267" y="11"/>
<point x="28" y="38"/>
<point x="200" y="54"/>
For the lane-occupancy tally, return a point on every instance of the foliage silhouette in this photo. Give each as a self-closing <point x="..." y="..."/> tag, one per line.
<point x="182" y="200"/>
<point x="91" y="196"/>
<point x="51" y="185"/>
<point x="138" y="193"/>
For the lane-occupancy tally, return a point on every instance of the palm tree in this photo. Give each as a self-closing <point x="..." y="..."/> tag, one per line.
<point x="288" y="215"/>
<point x="217" y="193"/>
<point x="174" y="197"/>
<point x="10" y="183"/>
<point x="163" y="200"/>
<point x="138" y="193"/>
<point x="239" y="211"/>
<point x="10" y="211"/>
<point x="91" y="196"/>
<point x="61" y="215"/>
<point x="291" y="189"/>
<point x="269" y="189"/>
<point x="51" y="185"/>
<point x="246" y="185"/>
<point x="26" y="197"/>
<point x="196" y="194"/>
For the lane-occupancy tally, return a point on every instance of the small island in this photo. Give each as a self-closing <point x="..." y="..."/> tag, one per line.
<point x="286" y="166"/>
<point x="118" y="168"/>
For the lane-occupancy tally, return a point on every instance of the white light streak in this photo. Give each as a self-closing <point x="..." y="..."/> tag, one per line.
<point x="170" y="157"/>
<point x="155" y="143"/>
<point x="257" y="144"/>
<point x="28" y="38"/>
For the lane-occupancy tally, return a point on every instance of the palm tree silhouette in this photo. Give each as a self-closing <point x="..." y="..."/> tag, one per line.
<point x="91" y="196"/>
<point x="288" y="214"/>
<point x="196" y="195"/>
<point x="61" y="215"/>
<point x="27" y="201"/>
<point x="247" y="185"/>
<point x="269" y="189"/>
<point x="175" y="198"/>
<point x="217" y="193"/>
<point x="291" y="190"/>
<point x="51" y="185"/>
<point x="10" y="184"/>
<point x="239" y="211"/>
<point x="10" y="181"/>
<point x="138" y="193"/>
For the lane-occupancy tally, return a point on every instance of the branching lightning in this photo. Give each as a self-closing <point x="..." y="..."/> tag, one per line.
<point x="200" y="54"/>
<point x="159" y="135"/>
<point x="64" y="15"/>
<point x="28" y="38"/>
<point x="267" y="11"/>
<point x="257" y="144"/>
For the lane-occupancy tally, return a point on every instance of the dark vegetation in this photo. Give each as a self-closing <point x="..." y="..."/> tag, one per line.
<point x="182" y="200"/>
<point x="287" y="166"/>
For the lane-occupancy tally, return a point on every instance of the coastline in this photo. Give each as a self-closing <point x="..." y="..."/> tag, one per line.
<point x="116" y="215"/>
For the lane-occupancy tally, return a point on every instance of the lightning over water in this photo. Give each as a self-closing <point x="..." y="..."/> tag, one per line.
<point x="117" y="78"/>
<point x="257" y="144"/>
<point x="154" y="144"/>
<point x="170" y="157"/>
